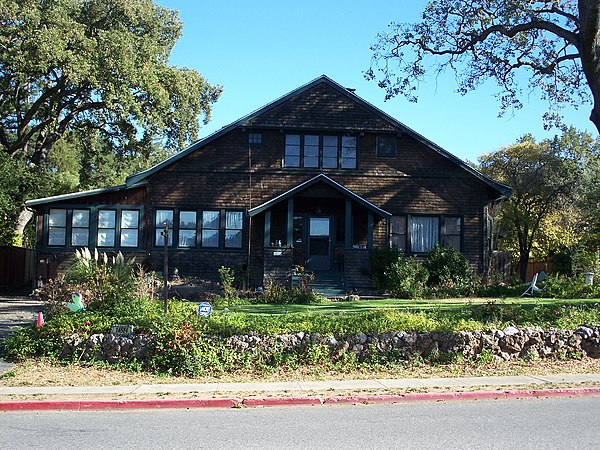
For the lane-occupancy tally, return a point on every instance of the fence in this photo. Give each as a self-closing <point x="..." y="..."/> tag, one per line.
<point x="17" y="268"/>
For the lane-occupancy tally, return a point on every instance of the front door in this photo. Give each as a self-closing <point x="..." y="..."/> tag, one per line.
<point x="319" y="243"/>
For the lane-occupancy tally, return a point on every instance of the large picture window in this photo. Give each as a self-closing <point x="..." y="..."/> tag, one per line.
<point x="419" y="234"/>
<point x="316" y="151"/>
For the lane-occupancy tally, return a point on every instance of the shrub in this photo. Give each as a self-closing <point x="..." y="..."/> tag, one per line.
<point x="406" y="278"/>
<point x="380" y="261"/>
<point x="447" y="267"/>
<point x="227" y="276"/>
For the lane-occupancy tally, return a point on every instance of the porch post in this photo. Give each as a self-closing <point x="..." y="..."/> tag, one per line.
<point x="267" y="241"/>
<point x="370" y="231"/>
<point x="290" y="223"/>
<point x="348" y="227"/>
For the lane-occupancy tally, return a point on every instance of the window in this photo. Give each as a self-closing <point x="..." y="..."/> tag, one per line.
<point x="187" y="229"/>
<point x="292" y="150"/>
<point x="398" y="232"/>
<point x="424" y="233"/>
<point x="348" y="160"/>
<point x="107" y="228"/>
<point x="326" y="152"/>
<point x="254" y="138"/>
<point x="311" y="151"/>
<point x="211" y="225"/>
<point x="163" y="216"/>
<point x="452" y="232"/>
<point x="386" y="145"/>
<point x="57" y="227"/>
<point x="234" y="222"/>
<point x="330" y="152"/>
<point x="130" y="221"/>
<point x="80" y="228"/>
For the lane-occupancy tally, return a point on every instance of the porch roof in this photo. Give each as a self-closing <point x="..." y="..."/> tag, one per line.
<point x="319" y="178"/>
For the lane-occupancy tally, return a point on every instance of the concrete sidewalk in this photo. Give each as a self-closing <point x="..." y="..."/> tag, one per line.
<point x="333" y="386"/>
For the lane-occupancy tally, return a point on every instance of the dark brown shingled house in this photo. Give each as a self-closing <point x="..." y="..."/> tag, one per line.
<point x="318" y="178"/>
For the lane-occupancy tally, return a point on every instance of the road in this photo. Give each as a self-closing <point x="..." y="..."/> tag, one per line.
<point x="505" y="424"/>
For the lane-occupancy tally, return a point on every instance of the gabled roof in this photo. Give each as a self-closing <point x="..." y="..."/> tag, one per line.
<point x="319" y="178"/>
<point x="500" y="188"/>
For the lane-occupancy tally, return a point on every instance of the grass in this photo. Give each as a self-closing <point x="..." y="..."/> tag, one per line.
<point x="358" y="306"/>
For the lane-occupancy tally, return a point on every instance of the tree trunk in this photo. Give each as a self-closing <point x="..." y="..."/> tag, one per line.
<point x="523" y="263"/>
<point x="589" y="18"/>
<point x="24" y="217"/>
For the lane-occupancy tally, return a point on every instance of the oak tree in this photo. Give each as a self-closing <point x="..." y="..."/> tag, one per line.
<point x="555" y="41"/>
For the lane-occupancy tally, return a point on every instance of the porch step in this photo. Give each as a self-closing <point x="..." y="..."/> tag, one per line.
<point x="329" y="284"/>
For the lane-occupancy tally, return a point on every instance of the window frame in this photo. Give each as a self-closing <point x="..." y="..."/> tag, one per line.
<point x="94" y="211"/>
<point x="65" y="227"/>
<point x="441" y="232"/>
<point x="321" y="157"/>
<point x="73" y="227"/>
<point x="381" y="138"/>
<point x="255" y="138"/>
<point x="121" y="228"/>
<point x="115" y="228"/>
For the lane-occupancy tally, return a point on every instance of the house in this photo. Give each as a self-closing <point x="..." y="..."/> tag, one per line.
<point x="318" y="178"/>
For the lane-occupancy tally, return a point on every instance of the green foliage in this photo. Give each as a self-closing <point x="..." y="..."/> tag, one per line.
<point x="447" y="267"/>
<point x="406" y="278"/>
<point x="300" y="292"/>
<point x="380" y="261"/>
<point x="227" y="277"/>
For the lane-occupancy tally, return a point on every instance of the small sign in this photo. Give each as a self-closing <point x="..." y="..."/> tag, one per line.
<point x="204" y="309"/>
<point x="121" y="330"/>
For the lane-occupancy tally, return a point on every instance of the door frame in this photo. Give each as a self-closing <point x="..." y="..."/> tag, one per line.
<point x="330" y="218"/>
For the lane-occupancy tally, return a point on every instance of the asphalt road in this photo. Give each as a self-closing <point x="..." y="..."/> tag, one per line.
<point x="523" y="424"/>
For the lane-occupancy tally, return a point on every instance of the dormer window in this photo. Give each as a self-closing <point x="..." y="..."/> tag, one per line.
<point x="313" y="151"/>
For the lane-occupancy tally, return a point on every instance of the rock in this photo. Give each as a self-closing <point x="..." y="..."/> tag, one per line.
<point x="510" y="331"/>
<point x="361" y="338"/>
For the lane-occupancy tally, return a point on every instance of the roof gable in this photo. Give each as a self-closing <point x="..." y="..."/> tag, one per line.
<point x="294" y="111"/>
<point x="307" y="184"/>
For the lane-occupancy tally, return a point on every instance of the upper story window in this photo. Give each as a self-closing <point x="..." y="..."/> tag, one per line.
<point x="320" y="151"/>
<point x="254" y="138"/>
<point x="386" y="145"/>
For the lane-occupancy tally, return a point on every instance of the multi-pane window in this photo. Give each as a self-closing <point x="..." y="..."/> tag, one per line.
<point x="419" y="234"/>
<point x="187" y="229"/>
<point x="163" y="217"/>
<point x="254" y="138"/>
<point x="211" y="225"/>
<point x="80" y="228"/>
<point x="315" y="151"/>
<point x="234" y="223"/>
<point x="57" y="227"/>
<point x="452" y="232"/>
<point x="330" y="152"/>
<point x="130" y="222"/>
<point x="398" y="232"/>
<point x="348" y="159"/>
<point x="107" y="228"/>
<point x="103" y="227"/>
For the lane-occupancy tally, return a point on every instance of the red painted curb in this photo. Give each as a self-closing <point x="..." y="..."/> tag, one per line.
<point x="282" y="401"/>
<point x="95" y="405"/>
<point x="473" y="395"/>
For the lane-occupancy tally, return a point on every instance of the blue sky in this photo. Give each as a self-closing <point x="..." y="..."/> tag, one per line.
<point x="261" y="50"/>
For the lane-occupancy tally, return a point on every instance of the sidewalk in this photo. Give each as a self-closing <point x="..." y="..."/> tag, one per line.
<point x="300" y="393"/>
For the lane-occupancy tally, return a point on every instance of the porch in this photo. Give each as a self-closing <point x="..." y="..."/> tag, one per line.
<point x="325" y="228"/>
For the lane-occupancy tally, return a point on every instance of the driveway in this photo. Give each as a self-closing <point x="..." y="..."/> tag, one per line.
<point x="17" y="312"/>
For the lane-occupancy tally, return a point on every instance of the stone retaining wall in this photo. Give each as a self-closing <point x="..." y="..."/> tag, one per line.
<point x="510" y="343"/>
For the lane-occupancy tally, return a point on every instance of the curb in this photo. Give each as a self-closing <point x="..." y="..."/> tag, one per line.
<point x="254" y="402"/>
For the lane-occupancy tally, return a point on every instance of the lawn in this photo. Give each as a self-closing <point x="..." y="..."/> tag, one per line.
<point x="358" y="306"/>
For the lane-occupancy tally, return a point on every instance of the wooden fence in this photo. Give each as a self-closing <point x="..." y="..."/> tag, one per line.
<point x="17" y="268"/>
